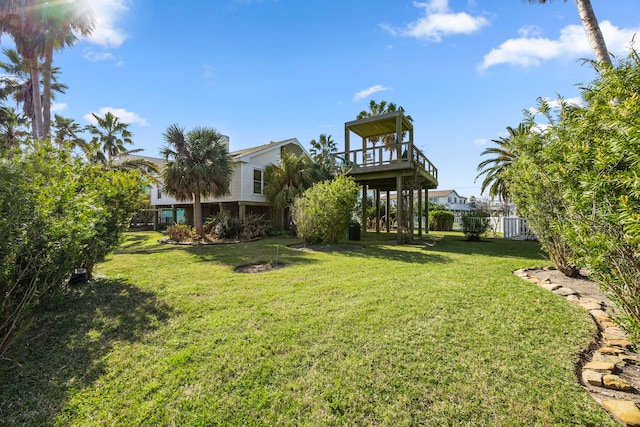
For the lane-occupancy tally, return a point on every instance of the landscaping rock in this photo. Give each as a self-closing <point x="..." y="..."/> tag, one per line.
<point x="592" y="377"/>
<point x="590" y="305"/>
<point x="611" y="351"/>
<point x="563" y="291"/>
<point x="625" y="411"/>
<point x="630" y="359"/>
<point x="614" y="382"/>
<point x="599" y="357"/>
<point x="551" y="286"/>
<point x="622" y="343"/>
<point x="603" y="367"/>
<point x="599" y="314"/>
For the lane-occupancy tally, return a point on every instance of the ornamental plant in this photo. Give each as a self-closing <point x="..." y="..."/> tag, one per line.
<point x="323" y="212"/>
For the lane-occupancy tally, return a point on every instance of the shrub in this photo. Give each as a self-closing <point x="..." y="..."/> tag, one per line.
<point x="441" y="220"/>
<point x="253" y="226"/>
<point x="475" y="224"/>
<point x="180" y="232"/>
<point x="56" y="214"/>
<point x="323" y="212"/>
<point x="223" y="226"/>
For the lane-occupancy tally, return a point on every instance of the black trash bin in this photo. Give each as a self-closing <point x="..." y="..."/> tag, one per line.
<point x="354" y="231"/>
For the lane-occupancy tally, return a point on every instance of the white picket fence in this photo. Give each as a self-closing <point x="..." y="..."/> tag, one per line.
<point x="511" y="227"/>
<point x="517" y="229"/>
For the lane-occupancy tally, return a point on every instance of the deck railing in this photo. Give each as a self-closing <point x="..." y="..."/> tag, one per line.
<point x="385" y="155"/>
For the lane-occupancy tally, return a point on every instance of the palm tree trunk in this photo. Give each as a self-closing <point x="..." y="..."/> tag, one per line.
<point x="197" y="215"/>
<point x="37" y="101"/>
<point x="46" y="92"/>
<point x="590" y="23"/>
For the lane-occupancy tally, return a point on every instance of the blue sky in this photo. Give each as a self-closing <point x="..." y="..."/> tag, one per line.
<point x="268" y="70"/>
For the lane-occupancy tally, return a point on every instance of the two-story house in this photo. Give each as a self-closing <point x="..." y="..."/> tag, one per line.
<point x="246" y="194"/>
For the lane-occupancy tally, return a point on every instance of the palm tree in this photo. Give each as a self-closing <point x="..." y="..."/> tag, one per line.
<point x="60" y="21"/>
<point x="284" y="182"/>
<point x="38" y="27"/>
<point x="494" y="168"/>
<point x="590" y="24"/>
<point x="110" y="137"/>
<point x="197" y="165"/>
<point x="18" y="84"/>
<point x="321" y="151"/>
<point x="12" y="128"/>
<point x="66" y="132"/>
<point x="377" y="109"/>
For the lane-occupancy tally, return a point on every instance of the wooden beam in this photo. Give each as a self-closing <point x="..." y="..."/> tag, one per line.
<point x="420" y="211"/>
<point x="377" y="211"/>
<point x="388" y="211"/>
<point x="400" y="206"/>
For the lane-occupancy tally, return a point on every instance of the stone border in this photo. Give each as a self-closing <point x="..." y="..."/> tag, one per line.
<point x="613" y="353"/>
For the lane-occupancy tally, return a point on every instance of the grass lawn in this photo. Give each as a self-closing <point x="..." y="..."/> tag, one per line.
<point x="386" y="335"/>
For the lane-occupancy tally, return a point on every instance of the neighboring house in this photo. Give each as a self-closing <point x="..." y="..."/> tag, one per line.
<point x="451" y="200"/>
<point x="246" y="188"/>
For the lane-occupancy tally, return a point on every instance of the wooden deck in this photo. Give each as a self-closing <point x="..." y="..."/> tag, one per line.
<point x="378" y="167"/>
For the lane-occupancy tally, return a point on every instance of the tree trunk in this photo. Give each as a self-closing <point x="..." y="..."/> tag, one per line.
<point x="197" y="215"/>
<point x="46" y="92"/>
<point x="590" y="23"/>
<point x="37" y="101"/>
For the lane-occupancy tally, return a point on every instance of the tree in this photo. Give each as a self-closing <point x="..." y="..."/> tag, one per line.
<point x="288" y="180"/>
<point x="18" y="84"/>
<point x="110" y="137"/>
<point x="591" y="26"/>
<point x="494" y="169"/>
<point x="198" y="165"/>
<point x="60" y="21"/>
<point x="12" y="129"/>
<point x="39" y="27"/>
<point x="66" y="132"/>
<point x="321" y="152"/>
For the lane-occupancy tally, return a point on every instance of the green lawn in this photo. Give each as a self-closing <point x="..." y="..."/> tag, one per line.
<point x="387" y="335"/>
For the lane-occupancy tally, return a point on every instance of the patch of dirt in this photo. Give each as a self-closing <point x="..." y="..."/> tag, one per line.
<point x="258" y="268"/>
<point x="337" y="247"/>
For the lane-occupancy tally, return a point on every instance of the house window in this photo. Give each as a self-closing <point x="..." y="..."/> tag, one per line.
<point x="258" y="181"/>
<point x="159" y="192"/>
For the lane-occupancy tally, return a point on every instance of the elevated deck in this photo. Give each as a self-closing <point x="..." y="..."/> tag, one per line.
<point x="387" y="161"/>
<point x="379" y="167"/>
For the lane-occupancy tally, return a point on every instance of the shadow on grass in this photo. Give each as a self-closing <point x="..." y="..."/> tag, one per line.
<point x="66" y="345"/>
<point x="495" y="247"/>
<point x="392" y="254"/>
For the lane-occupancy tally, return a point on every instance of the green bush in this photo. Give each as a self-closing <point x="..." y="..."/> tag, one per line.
<point x="475" y="224"/>
<point x="323" y="212"/>
<point x="56" y="214"/>
<point x="441" y="220"/>
<point x="224" y="226"/>
<point x="180" y="232"/>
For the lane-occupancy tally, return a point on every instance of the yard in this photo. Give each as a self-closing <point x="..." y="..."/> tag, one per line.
<point x="378" y="335"/>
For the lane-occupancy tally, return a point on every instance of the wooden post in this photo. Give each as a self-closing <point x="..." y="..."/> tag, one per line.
<point x="364" y="209"/>
<point x="347" y="145"/>
<point x="420" y="212"/>
<point x="400" y="208"/>
<point x="399" y="137"/>
<point x="388" y="211"/>
<point x="426" y="216"/>
<point x="174" y="211"/>
<point x="377" y="211"/>
<point x="242" y="211"/>
<point x="411" y="195"/>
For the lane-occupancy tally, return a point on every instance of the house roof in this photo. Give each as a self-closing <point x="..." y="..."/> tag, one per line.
<point x="441" y="193"/>
<point x="383" y="124"/>
<point x="236" y="156"/>
<point x="239" y="155"/>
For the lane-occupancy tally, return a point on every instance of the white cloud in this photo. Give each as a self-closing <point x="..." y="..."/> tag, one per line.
<point x="572" y="43"/>
<point x="439" y="21"/>
<point x="555" y="103"/>
<point x="108" y="14"/>
<point x="58" y="106"/>
<point x="369" y="91"/>
<point x="122" y="114"/>
<point x="94" y="56"/>
<point x="480" y="141"/>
